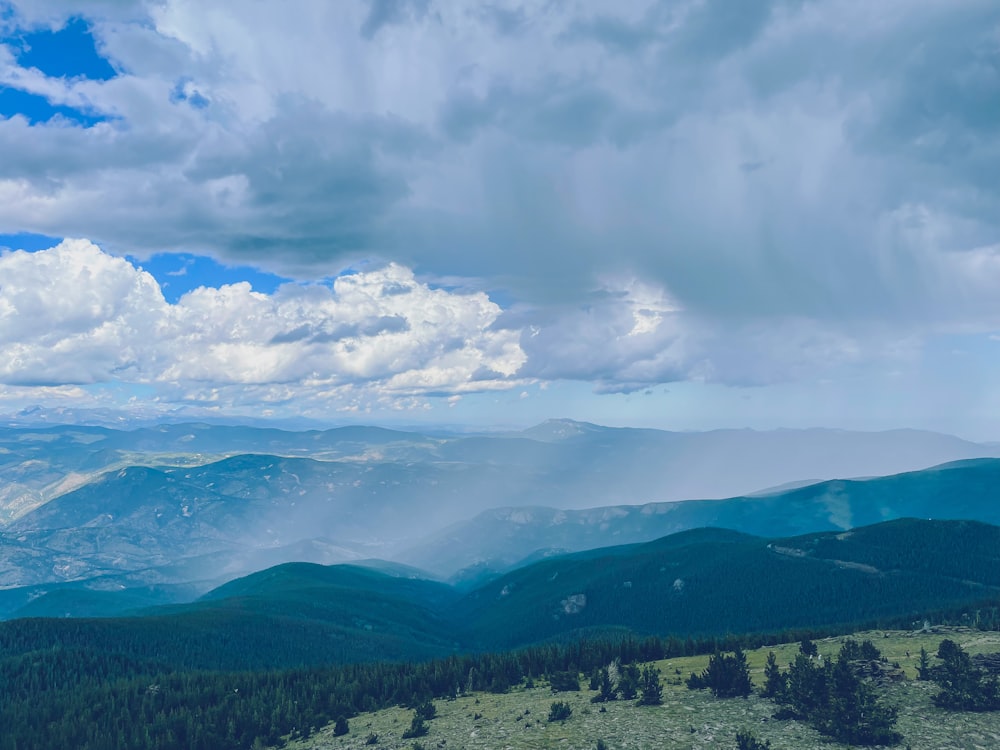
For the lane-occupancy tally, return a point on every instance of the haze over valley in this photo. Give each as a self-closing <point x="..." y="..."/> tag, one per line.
<point x="184" y="507"/>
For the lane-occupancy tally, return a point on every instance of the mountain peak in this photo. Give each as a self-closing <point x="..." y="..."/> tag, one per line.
<point x="553" y="430"/>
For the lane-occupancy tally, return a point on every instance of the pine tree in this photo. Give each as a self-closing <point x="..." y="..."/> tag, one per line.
<point x="837" y="702"/>
<point x="426" y="711"/>
<point x="651" y="691"/>
<point x="726" y="676"/>
<point x="964" y="687"/>
<point x="855" y="715"/>
<point x="417" y="728"/>
<point x="775" y="681"/>
<point x="628" y="682"/>
<point x="924" y="666"/>
<point x="808" y="688"/>
<point x="747" y="740"/>
<point x="606" y="689"/>
<point x="561" y="682"/>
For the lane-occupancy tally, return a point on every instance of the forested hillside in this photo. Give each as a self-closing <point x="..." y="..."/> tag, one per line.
<point x="705" y="582"/>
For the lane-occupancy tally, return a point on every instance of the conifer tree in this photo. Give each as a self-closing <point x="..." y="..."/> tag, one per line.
<point x="747" y="740"/>
<point x="775" y="681"/>
<point x="726" y="676"/>
<point x="964" y="687"/>
<point x="651" y="691"/>
<point x="341" y="727"/>
<point x="605" y="687"/>
<point x="628" y="682"/>
<point x="924" y="665"/>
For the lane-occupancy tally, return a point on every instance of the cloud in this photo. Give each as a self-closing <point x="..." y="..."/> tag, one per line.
<point x="382" y="13"/>
<point x="621" y="136"/>
<point x="76" y="315"/>
<point x="80" y="326"/>
<point x="73" y="314"/>
<point x="799" y="186"/>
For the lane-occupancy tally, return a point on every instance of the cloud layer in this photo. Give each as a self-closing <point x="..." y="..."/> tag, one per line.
<point x="741" y="193"/>
<point x="751" y="161"/>
<point x="76" y="315"/>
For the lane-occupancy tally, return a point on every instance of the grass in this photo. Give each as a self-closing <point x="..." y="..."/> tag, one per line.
<point x="687" y="720"/>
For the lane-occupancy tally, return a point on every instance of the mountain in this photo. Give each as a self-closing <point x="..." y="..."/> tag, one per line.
<point x="715" y="581"/>
<point x="498" y="539"/>
<point x="289" y="615"/>
<point x="559" y="463"/>
<point x="38" y="464"/>
<point x="233" y="515"/>
<point x="199" y="503"/>
<point x="111" y="595"/>
<point x="71" y="600"/>
<point x="702" y="582"/>
<point x="132" y="520"/>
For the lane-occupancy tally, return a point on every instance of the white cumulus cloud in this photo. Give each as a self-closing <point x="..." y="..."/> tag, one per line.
<point x="75" y="315"/>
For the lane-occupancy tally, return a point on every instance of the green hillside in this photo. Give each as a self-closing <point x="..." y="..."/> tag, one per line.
<point x="687" y="720"/>
<point x="704" y="582"/>
<point x="291" y="615"/>
<point x="715" y="582"/>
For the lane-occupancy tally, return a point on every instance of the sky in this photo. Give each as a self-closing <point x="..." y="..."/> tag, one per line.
<point x="685" y="214"/>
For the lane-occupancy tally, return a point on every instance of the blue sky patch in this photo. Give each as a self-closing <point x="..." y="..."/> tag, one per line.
<point x="182" y="92"/>
<point x="179" y="273"/>
<point x="28" y="241"/>
<point x="37" y="108"/>
<point x="69" y="52"/>
<point x="176" y="273"/>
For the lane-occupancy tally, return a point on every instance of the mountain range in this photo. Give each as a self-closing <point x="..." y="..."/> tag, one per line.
<point x="701" y="582"/>
<point x="172" y="510"/>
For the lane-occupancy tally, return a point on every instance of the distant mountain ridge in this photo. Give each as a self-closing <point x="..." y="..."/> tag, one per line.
<point x="645" y="464"/>
<point x="502" y="537"/>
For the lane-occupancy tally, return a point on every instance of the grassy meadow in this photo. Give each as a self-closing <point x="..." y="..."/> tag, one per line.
<point x="687" y="720"/>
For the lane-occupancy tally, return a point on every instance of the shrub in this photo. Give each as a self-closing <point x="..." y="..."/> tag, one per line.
<point x="650" y="687"/>
<point x="560" y="711"/>
<point x="426" y="711"/>
<point x="562" y="682"/>
<point x="726" y="676"/>
<point x="747" y="740"/>
<point x="417" y="728"/>
<point x="340" y="728"/>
